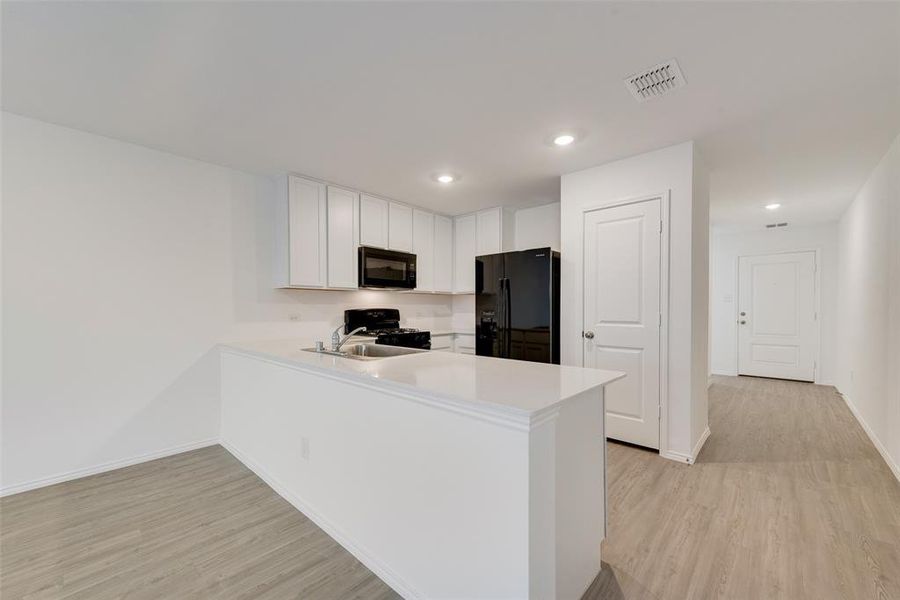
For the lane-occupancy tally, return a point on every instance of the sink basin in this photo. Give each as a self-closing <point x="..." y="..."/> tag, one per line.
<point x="368" y="351"/>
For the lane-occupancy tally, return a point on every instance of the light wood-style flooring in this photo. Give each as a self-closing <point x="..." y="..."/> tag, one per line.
<point x="788" y="499"/>
<point x="194" y="525"/>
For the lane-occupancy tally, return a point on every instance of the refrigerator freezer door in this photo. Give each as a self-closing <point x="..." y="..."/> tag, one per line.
<point x="528" y="303"/>
<point x="488" y="305"/>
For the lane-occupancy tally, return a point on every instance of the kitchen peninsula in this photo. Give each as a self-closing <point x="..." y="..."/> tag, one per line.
<point x="448" y="475"/>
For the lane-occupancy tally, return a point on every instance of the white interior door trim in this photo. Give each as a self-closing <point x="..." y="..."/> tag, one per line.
<point x="817" y="299"/>
<point x="664" y="200"/>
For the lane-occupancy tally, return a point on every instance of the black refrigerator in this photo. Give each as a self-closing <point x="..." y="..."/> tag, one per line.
<point x="517" y="305"/>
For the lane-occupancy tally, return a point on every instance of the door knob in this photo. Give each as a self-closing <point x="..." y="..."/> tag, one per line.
<point x="743" y="322"/>
<point x="743" y="314"/>
<point x="589" y="335"/>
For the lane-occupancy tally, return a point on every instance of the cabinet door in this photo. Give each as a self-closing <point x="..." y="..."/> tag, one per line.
<point x="400" y="228"/>
<point x="423" y="248"/>
<point x="306" y="232"/>
<point x="464" y="254"/>
<point x="443" y="254"/>
<point x="373" y="221"/>
<point x="488" y="232"/>
<point x="343" y="237"/>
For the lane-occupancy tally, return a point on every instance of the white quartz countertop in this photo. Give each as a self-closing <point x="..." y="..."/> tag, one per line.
<point x="509" y="387"/>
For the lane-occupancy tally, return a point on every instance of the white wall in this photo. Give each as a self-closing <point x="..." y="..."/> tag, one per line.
<point x="538" y="227"/>
<point x="868" y="358"/>
<point x="123" y="267"/>
<point x="699" y="304"/>
<point x="669" y="170"/>
<point x="728" y="245"/>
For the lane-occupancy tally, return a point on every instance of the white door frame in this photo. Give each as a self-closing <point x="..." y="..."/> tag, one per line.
<point x="663" y="198"/>
<point x="817" y="300"/>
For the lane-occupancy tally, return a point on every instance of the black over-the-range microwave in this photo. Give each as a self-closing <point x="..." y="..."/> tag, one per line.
<point x="380" y="268"/>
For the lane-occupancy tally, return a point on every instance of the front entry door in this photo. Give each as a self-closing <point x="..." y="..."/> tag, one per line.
<point x="777" y="334"/>
<point x="622" y="314"/>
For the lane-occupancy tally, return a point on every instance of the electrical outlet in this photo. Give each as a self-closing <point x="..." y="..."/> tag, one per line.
<point x="304" y="448"/>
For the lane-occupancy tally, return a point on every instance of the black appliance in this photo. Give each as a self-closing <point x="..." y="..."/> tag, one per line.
<point x="517" y="305"/>
<point x="384" y="325"/>
<point x="380" y="268"/>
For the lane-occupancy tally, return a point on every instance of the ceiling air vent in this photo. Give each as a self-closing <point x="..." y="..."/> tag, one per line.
<point x="774" y="225"/>
<point x="655" y="81"/>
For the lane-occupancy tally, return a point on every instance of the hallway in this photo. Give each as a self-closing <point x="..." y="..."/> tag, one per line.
<point x="788" y="499"/>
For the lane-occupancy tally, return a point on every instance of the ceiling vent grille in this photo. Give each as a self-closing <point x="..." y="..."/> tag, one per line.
<point x="774" y="225"/>
<point x="655" y="81"/>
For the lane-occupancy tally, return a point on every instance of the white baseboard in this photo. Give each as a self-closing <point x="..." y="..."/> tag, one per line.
<point x="358" y="551"/>
<point x="687" y="458"/>
<point x="725" y="372"/>
<point x="892" y="465"/>
<point x="699" y="445"/>
<point x="104" y="467"/>
<point x="676" y="456"/>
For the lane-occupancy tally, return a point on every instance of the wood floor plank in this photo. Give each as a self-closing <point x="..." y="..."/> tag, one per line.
<point x="194" y="525"/>
<point x="788" y="499"/>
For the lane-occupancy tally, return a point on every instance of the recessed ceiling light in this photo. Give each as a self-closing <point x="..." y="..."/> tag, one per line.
<point x="564" y="139"/>
<point x="773" y="206"/>
<point x="445" y="178"/>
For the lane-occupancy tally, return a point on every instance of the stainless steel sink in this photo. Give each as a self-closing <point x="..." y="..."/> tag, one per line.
<point x="368" y="351"/>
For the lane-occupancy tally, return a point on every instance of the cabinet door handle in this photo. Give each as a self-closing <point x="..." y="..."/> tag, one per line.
<point x="589" y="335"/>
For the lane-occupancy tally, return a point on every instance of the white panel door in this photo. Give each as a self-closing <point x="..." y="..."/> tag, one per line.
<point x="622" y="314"/>
<point x="400" y="228"/>
<point x="777" y="335"/>
<point x="343" y="237"/>
<point x="423" y="248"/>
<point x="487" y="235"/>
<point x="307" y="232"/>
<point x="464" y="254"/>
<point x="443" y="254"/>
<point x="373" y="221"/>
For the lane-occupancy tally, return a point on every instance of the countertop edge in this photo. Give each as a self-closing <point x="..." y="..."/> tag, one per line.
<point x="510" y="417"/>
<point x="501" y="415"/>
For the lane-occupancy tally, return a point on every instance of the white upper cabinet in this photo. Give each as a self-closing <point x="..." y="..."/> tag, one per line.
<point x="487" y="236"/>
<point x="343" y="237"/>
<point x="464" y="254"/>
<point x="495" y="231"/>
<point x="319" y="229"/>
<point x="486" y="232"/>
<point x="301" y="233"/>
<point x="423" y="248"/>
<point x="443" y="254"/>
<point x="373" y="221"/>
<point x="400" y="227"/>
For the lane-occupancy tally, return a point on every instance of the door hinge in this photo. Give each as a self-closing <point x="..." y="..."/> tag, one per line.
<point x="659" y="323"/>
<point x="660" y="225"/>
<point x="816" y="316"/>
<point x="659" y="411"/>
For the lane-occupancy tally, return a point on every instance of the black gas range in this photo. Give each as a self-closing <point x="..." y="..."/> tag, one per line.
<point x="383" y="324"/>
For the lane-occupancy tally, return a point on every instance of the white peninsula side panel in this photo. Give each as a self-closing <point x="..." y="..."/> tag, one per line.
<point x="438" y="498"/>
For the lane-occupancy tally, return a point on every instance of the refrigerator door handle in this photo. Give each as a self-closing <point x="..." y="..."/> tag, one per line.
<point x="507" y="312"/>
<point x="501" y="319"/>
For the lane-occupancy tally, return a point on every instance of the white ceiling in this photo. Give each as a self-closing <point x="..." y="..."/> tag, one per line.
<point x="791" y="102"/>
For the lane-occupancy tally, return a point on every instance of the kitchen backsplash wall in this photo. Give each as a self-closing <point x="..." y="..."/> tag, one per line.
<point x="464" y="313"/>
